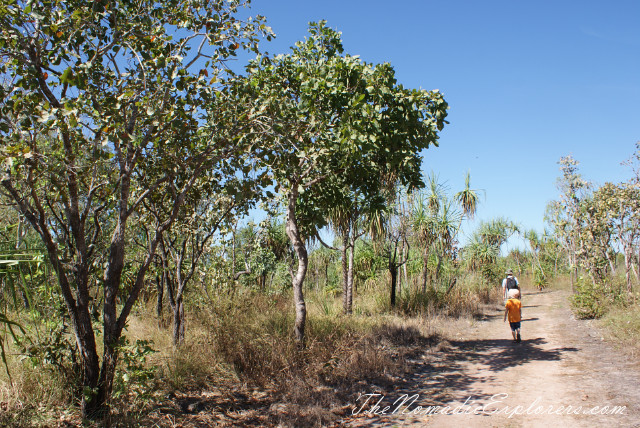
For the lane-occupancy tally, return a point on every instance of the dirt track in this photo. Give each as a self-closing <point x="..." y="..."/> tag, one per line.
<point x="561" y="362"/>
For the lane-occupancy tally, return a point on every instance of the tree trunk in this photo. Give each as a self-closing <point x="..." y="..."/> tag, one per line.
<point x="160" y="286"/>
<point x="404" y="256"/>
<point x="349" y="306"/>
<point x="425" y="272"/>
<point x="574" y="270"/>
<point x="92" y="405"/>
<point x="326" y="274"/>
<point x="301" y="251"/>
<point x="393" y="270"/>
<point x="438" y="267"/>
<point x="627" y="265"/>
<point x="345" y="272"/>
<point x="98" y="408"/>
<point x="178" y="322"/>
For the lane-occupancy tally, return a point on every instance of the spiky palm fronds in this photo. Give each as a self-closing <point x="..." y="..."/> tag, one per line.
<point x="436" y="193"/>
<point x="468" y="198"/>
<point x="448" y="223"/>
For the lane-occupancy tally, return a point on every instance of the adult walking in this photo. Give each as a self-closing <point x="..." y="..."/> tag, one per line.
<point x="510" y="283"/>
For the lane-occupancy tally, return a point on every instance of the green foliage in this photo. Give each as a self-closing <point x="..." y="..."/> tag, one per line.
<point x="113" y="114"/>
<point x="24" y="274"/>
<point x="135" y="378"/>
<point x="592" y="225"/>
<point x="52" y="347"/>
<point x="9" y="328"/>
<point x="483" y="250"/>
<point x="540" y="280"/>
<point x="468" y="198"/>
<point x="338" y="121"/>
<point x="368" y="262"/>
<point x="590" y="300"/>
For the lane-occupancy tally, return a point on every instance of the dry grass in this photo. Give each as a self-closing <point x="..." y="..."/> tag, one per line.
<point x="621" y="320"/>
<point x="241" y="365"/>
<point x="622" y="325"/>
<point x="34" y="397"/>
<point x="247" y="345"/>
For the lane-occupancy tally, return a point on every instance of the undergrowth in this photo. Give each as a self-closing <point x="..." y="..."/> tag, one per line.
<point x="240" y="344"/>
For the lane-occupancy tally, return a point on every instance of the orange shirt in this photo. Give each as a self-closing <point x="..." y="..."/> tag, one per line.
<point x="514" y="306"/>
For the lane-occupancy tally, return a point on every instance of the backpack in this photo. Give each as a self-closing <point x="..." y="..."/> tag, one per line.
<point x="511" y="283"/>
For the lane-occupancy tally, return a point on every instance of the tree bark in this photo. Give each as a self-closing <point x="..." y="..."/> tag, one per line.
<point x="393" y="270"/>
<point x="425" y="271"/>
<point x="404" y="266"/>
<point x="627" y="264"/>
<point x="160" y="287"/>
<point x="345" y="272"/>
<point x="178" y="322"/>
<point x="349" y="306"/>
<point x="294" y="235"/>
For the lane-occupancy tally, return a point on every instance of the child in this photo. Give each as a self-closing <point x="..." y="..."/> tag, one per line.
<point x="513" y="308"/>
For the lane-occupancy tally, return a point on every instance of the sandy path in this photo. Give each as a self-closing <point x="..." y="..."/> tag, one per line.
<point x="561" y="362"/>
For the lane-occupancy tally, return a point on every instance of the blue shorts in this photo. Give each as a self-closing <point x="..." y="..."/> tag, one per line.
<point x="514" y="325"/>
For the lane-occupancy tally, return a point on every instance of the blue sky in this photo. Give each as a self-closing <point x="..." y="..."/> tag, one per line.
<point x="527" y="82"/>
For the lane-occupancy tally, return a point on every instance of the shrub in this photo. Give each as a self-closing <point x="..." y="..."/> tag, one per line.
<point x="589" y="302"/>
<point x="539" y="279"/>
<point x="134" y="379"/>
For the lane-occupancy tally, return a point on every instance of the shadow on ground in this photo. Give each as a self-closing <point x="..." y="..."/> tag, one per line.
<point x="441" y="380"/>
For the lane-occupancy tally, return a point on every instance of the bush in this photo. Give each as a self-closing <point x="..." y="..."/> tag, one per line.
<point x="456" y="299"/>
<point x="539" y="279"/>
<point x="589" y="302"/>
<point x="592" y="301"/>
<point x="134" y="380"/>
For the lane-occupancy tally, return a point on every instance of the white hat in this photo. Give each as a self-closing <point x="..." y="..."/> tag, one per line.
<point x="514" y="293"/>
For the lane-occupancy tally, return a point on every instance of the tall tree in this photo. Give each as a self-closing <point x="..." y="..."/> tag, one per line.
<point x="615" y="217"/>
<point x="336" y="120"/>
<point x="572" y="190"/>
<point x="109" y="104"/>
<point x="209" y="210"/>
<point x="437" y="220"/>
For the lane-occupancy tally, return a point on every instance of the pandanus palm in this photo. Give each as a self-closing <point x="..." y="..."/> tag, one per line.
<point x="448" y="223"/>
<point x="479" y="253"/>
<point x="468" y="198"/>
<point x="425" y="220"/>
<point x="424" y="225"/>
<point x="351" y="219"/>
<point x="485" y="245"/>
<point x="341" y="219"/>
